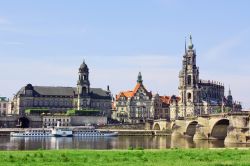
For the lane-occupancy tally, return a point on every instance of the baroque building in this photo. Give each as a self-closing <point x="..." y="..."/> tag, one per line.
<point x="198" y="96"/>
<point x="61" y="99"/>
<point x="139" y="105"/>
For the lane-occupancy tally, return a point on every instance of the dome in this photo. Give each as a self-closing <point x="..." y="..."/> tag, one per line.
<point x="190" y="46"/>
<point x="83" y="66"/>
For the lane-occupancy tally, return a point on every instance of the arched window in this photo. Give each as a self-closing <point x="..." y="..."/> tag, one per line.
<point x="189" y="96"/>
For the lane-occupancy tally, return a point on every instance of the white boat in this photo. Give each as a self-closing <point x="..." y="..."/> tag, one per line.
<point x="62" y="132"/>
<point x="87" y="131"/>
<point x="91" y="132"/>
<point x="32" y="133"/>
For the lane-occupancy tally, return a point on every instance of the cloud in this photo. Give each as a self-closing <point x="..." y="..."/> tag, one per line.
<point x="222" y="50"/>
<point x="159" y="73"/>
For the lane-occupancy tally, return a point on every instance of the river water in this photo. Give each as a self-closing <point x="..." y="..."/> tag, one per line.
<point x="120" y="142"/>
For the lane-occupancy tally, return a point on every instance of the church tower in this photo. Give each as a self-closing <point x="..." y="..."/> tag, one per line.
<point x="188" y="82"/>
<point x="230" y="98"/>
<point x="83" y="85"/>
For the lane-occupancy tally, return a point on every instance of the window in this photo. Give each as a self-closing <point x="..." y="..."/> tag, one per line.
<point x="84" y="89"/>
<point x="189" y="95"/>
<point x="4" y="105"/>
<point x="189" y="80"/>
<point x="40" y="103"/>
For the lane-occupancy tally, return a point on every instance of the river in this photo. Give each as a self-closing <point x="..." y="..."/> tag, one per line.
<point x="120" y="142"/>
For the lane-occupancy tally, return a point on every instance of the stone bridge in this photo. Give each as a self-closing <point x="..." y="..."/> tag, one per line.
<point x="233" y="127"/>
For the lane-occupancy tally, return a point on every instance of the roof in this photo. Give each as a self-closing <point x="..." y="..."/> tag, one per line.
<point x="165" y="99"/>
<point x="3" y="99"/>
<point x="129" y="93"/>
<point x="96" y="93"/>
<point x="176" y="98"/>
<point x="55" y="91"/>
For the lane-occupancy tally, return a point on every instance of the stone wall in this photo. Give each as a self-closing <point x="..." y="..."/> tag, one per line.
<point x="140" y="126"/>
<point x="88" y="120"/>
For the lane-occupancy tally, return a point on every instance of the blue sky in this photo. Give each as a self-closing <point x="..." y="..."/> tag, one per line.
<point x="44" y="42"/>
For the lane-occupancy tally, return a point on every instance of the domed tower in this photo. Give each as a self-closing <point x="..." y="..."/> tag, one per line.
<point x="188" y="82"/>
<point x="83" y="85"/>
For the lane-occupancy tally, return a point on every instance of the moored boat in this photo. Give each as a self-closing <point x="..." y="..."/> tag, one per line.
<point x="62" y="132"/>
<point x="92" y="132"/>
<point x="32" y="133"/>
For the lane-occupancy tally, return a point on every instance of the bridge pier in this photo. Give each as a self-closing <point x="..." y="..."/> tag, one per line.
<point x="200" y="135"/>
<point x="238" y="130"/>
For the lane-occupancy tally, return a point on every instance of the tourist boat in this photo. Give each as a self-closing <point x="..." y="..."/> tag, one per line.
<point x="32" y="133"/>
<point x="62" y="132"/>
<point x="92" y="132"/>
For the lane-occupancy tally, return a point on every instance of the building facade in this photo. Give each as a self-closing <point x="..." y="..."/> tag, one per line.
<point x="196" y="96"/>
<point x="61" y="99"/>
<point x="51" y="121"/>
<point x="4" y="105"/>
<point x="139" y="105"/>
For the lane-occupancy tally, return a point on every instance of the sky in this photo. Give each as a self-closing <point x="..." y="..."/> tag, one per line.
<point x="44" y="43"/>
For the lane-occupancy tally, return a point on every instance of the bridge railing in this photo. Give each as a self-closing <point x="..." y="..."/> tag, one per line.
<point x="223" y="114"/>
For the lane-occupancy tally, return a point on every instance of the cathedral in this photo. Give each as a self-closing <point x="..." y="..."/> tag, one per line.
<point x="197" y="96"/>
<point x="61" y="99"/>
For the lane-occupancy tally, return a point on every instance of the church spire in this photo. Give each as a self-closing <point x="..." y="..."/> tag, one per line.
<point x="229" y="92"/>
<point x="139" y="78"/>
<point x="190" y="46"/>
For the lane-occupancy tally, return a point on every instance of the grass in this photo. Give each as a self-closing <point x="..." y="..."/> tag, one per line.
<point x="180" y="157"/>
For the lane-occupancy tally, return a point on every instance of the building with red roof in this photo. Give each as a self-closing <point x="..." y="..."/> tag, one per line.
<point x="139" y="105"/>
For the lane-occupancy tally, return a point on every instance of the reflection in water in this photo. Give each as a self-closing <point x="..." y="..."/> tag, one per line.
<point x="121" y="142"/>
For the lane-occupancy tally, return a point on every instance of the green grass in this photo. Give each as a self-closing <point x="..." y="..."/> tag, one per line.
<point x="172" y="157"/>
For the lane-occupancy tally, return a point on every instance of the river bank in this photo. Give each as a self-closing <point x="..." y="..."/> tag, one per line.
<point x="127" y="157"/>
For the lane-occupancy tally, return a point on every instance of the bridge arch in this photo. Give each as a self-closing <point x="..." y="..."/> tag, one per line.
<point x="157" y="126"/>
<point x="191" y="128"/>
<point x="219" y="129"/>
<point x="23" y="122"/>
